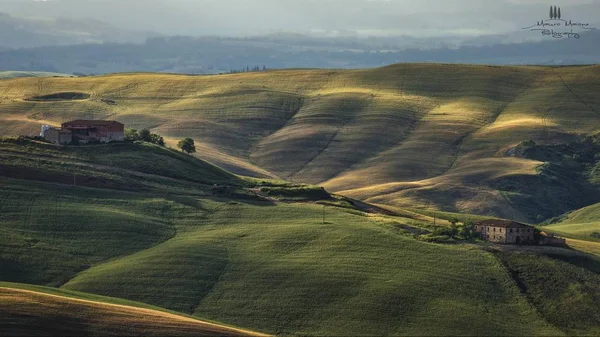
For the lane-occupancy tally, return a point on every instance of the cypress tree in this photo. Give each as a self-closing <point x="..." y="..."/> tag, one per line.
<point x="559" y="16"/>
<point x="551" y="12"/>
<point x="555" y="12"/>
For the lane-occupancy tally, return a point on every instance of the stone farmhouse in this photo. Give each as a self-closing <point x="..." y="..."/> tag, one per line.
<point x="506" y="232"/>
<point x="84" y="131"/>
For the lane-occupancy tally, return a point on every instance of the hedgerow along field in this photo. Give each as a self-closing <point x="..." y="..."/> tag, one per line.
<point x="269" y="266"/>
<point x="428" y="136"/>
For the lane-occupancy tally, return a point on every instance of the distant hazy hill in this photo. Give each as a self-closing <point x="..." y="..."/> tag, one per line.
<point x="24" y="32"/>
<point x="211" y="55"/>
<point x="14" y="74"/>
<point x="415" y="135"/>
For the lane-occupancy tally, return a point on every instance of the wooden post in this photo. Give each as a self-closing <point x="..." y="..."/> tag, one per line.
<point x="323" y="214"/>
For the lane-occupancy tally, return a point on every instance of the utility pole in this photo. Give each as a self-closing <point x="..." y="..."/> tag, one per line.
<point x="323" y="214"/>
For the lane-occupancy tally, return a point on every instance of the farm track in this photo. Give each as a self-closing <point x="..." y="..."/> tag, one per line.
<point x="418" y="113"/>
<point x="557" y="101"/>
<point x="4" y="95"/>
<point x="329" y="142"/>
<point x="28" y="212"/>
<point x="3" y="198"/>
<point x="570" y="89"/>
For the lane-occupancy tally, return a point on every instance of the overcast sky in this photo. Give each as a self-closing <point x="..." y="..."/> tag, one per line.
<point x="366" y="17"/>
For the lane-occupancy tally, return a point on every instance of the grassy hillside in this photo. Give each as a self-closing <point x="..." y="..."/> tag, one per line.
<point x="432" y="136"/>
<point x="563" y="285"/>
<point x="122" y="166"/>
<point x="280" y="270"/>
<point x="73" y="207"/>
<point x="37" y="311"/>
<point x="267" y="265"/>
<point x="583" y="223"/>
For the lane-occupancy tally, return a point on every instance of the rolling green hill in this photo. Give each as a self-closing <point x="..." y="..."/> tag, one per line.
<point x="39" y="311"/>
<point x="432" y="136"/>
<point x="122" y="166"/>
<point x="563" y="285"/>
<point x="583" y="223"/>
<point x="281" y="267"/>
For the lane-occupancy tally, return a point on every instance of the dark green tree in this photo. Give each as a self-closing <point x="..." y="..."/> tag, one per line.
<point x="555" y="12"/>
<point x="145" y="135"/>
<point x="551" y="13"/>
<point x="467" y="231"/>
<point x="187" y="145"/>
<point x="131" y="135"/>
<point x="559" y="15"/>
<point x="156" y="139"/>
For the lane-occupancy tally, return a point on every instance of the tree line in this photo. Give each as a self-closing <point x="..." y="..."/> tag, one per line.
<point x="132" y="135"/>
<point x="247" y="69"/>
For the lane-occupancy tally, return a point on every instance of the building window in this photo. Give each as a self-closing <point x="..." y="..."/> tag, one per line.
<point x="511" y="230"/>
<point x="517" y="230"/>
<point x="494" y="231"/>
<point x="500" y="230"/>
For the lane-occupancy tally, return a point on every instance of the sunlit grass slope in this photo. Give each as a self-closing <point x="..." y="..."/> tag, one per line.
<point x="583" y="223"/>
<point x="279" y="269"/>
<point x="37" y="311"/>
<point x="428" y="135"/>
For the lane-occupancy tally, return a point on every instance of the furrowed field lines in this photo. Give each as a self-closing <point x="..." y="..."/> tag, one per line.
<point x="568" y="298"/>
<point x="350" y="130"/>
<point x="28" y="310"/>
<point x="68" y="233"/>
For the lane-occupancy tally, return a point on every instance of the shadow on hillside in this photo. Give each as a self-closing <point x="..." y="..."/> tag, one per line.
<point x="577" y="258"/>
